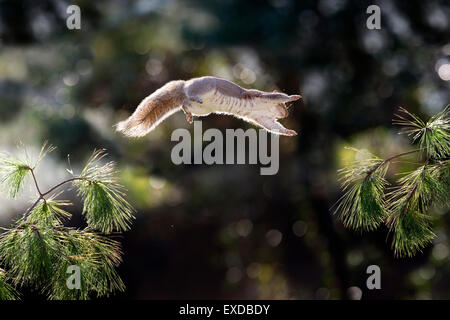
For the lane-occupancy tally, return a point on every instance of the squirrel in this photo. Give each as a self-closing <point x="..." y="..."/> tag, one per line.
<point x="203" y="96"/>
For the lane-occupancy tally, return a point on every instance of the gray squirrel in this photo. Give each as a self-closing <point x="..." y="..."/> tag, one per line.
<point x="205" y="95"/>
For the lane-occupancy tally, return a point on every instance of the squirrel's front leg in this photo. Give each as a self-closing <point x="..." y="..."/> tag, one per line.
<point x="187" y="103"/>
<point x="189" y="116"/>
<point x="185" y="107"/>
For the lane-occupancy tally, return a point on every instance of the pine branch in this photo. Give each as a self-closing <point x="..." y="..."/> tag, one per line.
<point x="366" y="203"/>
<point x="38" y="249"/>
<point x="363" y="205"/>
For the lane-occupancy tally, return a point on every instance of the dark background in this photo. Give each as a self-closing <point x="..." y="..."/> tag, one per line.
<point x="214" y="231"/>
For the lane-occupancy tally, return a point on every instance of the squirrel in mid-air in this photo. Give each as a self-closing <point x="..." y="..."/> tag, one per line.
<point x="206" y="95"/>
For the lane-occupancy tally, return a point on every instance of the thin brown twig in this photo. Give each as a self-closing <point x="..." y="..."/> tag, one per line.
<point x="42" y="195"/>
<point x="369" y="174"/>
<point x="63" y="183"/>
<point x="35" y="181"/>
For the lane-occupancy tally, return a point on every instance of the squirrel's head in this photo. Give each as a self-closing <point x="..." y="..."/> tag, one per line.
<point x="275" y="103"/>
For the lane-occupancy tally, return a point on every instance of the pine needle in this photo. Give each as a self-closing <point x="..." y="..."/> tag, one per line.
<point x="28" y="253"/>
<point x="7" y="291"/>
<point x="104" y="202"/>
<point x="49" y="213"/>
<point x="363" y="205"/>
<point x="96" y="256"/>
<point x="433" y="136"/>
<point x="411" y="233"/>
<point x="12" y="174"/>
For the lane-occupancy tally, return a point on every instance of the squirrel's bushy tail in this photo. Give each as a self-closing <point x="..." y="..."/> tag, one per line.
<point x="153" y="110"/>
<point x="138" y="124"/>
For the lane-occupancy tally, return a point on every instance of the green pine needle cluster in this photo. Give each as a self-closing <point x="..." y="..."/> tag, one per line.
<point x="433" y="136"/>
<point x="97" y="257"/>
<point x="369" y="200"/>
<point x="39" y="251"/>
<point x="13" y="170"/>
<point x="7" y="291"/>
<point x="362" y="207"/>
<point x="105" y="206"/>
<point x="13" y="173"/>
<point x="49" y="212"/>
